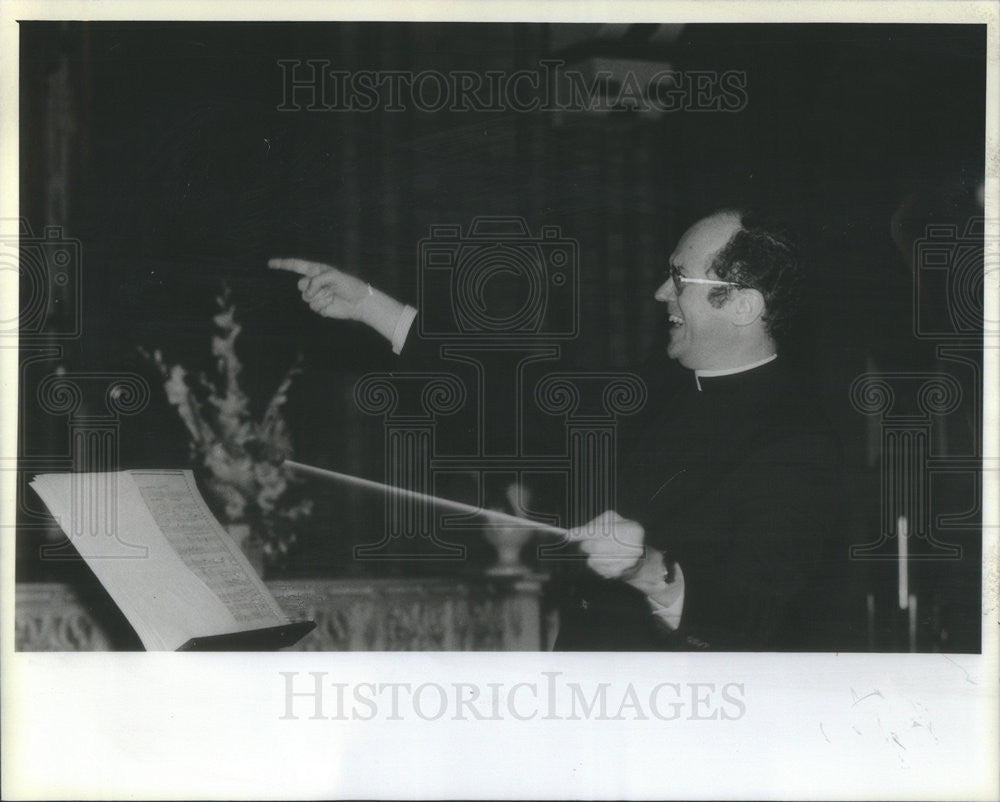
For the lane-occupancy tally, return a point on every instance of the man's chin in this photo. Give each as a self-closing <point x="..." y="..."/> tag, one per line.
<point x="680" y="355"/>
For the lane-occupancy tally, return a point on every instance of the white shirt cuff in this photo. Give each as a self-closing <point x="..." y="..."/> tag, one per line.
<point x="670" y="614"/>
<point x="402" y="329"/>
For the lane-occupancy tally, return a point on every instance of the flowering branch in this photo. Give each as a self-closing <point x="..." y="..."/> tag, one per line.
<point x="241" y="457"/>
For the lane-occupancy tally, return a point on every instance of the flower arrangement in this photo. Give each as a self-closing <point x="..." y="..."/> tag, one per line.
<point x="239" y="457"/>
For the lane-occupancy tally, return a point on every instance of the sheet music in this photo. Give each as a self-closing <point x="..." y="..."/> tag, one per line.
<point x="152" y="542"/>
<point x="205" y="547"/>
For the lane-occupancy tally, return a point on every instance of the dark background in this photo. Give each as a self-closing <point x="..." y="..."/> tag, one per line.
<point x="160" y="147"/>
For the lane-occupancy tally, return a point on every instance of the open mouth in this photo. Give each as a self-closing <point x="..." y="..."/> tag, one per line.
<point x="675" y="321"/>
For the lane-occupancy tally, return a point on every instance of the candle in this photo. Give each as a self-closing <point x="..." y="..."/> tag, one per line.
<point x="904" y="566"/>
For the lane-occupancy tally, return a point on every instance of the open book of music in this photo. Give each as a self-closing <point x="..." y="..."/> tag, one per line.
<point x="177" y="575"/>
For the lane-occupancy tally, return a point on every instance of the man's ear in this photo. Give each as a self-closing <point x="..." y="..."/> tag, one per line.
<point x="747" y="306"/>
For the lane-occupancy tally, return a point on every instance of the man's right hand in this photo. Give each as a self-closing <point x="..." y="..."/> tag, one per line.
<point x="328" y="291"/>
<point x="333" y="293"/>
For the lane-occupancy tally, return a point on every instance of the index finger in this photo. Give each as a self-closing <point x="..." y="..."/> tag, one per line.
<point x="300" y="266"/>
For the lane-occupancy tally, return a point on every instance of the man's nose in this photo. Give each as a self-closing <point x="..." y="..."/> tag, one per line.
<point x="665" y="291"/>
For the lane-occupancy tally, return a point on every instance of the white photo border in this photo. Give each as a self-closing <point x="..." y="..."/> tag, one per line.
<point x="219" y="726"/>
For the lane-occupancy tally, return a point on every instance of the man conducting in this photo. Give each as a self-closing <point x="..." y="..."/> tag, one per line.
<point x="724" y="532"/>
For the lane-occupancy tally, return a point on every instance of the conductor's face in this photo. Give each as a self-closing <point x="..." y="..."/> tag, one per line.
<point x="701" y="335"/>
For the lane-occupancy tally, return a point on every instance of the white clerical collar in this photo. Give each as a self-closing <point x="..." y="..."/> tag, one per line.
<point x="698" y="374"/>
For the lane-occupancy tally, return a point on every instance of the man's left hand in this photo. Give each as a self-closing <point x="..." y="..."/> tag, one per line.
<point x="613" y="545"/>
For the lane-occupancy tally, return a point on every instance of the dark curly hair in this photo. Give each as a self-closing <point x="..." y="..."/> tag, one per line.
<point x="761" y="255"/>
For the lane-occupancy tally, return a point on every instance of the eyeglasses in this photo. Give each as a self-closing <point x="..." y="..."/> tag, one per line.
<point x="679" y="279"/>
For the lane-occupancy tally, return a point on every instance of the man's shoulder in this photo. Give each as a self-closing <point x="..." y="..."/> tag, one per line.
<point x="789" y="416"/>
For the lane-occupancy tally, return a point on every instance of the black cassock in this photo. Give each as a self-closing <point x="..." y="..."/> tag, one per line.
<point x="739" y="483"/>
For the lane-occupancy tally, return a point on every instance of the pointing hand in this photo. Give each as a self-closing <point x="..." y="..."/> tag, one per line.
<point x="328" y="291"/>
